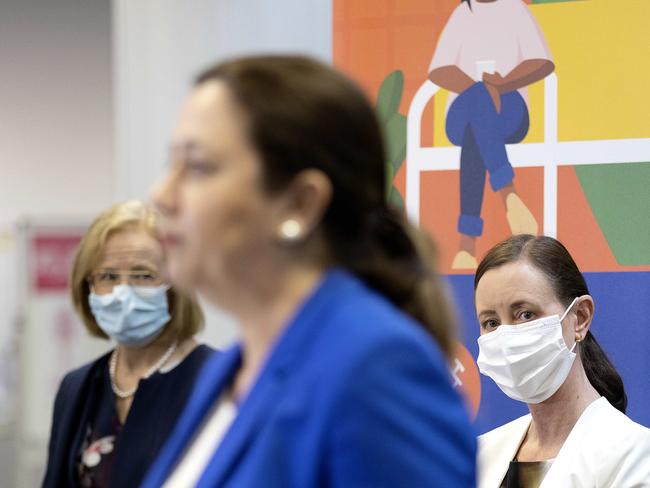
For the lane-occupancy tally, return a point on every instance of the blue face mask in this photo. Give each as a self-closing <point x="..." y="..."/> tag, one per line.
<point x="131" y="316"/>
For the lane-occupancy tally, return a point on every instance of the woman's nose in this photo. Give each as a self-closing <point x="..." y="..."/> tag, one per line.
<point x="163" y="194"/>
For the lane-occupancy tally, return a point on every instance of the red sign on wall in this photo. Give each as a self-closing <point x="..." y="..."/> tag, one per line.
<point x="51" y="260"/>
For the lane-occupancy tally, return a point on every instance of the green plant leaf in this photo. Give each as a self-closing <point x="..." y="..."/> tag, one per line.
<point x="395" y="137"/>
<point x="393" y="126"/>
<point x="390" y="96"/>
<point x="395" y="198"/>
<point x="390" y="175"/>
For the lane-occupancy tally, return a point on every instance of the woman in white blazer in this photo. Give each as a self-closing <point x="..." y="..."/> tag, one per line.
<point x="535" y="311"/>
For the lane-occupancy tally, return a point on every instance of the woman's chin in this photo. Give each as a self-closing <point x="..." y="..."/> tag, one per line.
<point x="181" y="276"/>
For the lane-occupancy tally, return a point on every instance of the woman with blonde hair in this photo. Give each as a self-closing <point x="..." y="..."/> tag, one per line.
<point x="112" y="416"/>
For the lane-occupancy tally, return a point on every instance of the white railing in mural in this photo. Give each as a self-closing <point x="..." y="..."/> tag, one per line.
<point x="548" y="154"/>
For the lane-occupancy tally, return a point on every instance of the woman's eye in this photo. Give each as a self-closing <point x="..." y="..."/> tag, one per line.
<point x="526" y="315"/>
<point x="200" y="167"/>
<point x="107" y="277"/>
<point x="144" y="276"/>
<point x="490" y="324"/>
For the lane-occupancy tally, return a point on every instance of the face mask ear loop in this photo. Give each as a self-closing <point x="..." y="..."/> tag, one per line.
<point x="569" y="308"/>
<point x="575" y="343"/>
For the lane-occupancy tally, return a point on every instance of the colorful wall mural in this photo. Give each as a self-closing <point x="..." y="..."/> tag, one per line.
<point x="577" y="138"/>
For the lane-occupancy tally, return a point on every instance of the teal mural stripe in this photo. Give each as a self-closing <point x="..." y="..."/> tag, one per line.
<point x="619" y="196"/>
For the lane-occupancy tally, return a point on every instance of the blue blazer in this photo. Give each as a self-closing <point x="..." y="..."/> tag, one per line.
<point x="353" y="394"/>
<point x="157" y="404"/>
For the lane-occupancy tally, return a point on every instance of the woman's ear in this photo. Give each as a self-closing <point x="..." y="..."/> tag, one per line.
<point x="584" y="314"/>
<point x="303" y="205"/>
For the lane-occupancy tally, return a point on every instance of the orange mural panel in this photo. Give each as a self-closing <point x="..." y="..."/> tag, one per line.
<point x="440" y="208"/>
<point x="416" y="7"/>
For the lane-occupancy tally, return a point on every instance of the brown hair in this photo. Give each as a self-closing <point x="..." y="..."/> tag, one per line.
<point x="550" y="257"/>
<point x="304" y="115"/>
<point x="186" y="315"/>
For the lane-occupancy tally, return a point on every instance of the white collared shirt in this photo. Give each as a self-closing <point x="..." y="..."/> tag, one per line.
<point x="199" y="453"/>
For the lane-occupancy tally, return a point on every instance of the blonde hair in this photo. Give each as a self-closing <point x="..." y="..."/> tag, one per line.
<point x="186" y="315"/>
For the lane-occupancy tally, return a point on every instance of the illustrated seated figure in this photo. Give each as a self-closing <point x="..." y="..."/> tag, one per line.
<point x="487" y="54"/>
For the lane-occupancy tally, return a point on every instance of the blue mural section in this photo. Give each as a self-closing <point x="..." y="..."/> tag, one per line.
<point x="621" y="325"/>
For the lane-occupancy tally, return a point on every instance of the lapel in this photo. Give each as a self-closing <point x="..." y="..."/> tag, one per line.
<point x="214" y="377"/>
<point x="83" y="395"/>
<point x="289" y="351"/>
<point x="566" y="461"/>
<point x="497" y="448"/>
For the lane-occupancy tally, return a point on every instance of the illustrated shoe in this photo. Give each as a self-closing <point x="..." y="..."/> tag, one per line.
<point x="520" y="219"/>
<point x="464" y="260"/>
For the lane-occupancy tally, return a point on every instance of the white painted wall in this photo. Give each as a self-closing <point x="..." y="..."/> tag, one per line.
<point x="264" y="26"/>
<point x="89" y="93"/>
<point x="56" y="158"/>
<point x="56" y="108"/>
<point x="160" y="46"/>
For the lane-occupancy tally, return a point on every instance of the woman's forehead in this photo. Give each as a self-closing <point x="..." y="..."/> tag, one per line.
<point x="209" y="107"/>
<point x="131" y="248"/>
<point x="127" y="258"/>
<point x="513" y="281"/>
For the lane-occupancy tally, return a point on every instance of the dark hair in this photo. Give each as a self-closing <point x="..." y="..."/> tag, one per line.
<point x="550" y="257"/>
<point x="469" y="3"/>
<point x="305" y="115"/>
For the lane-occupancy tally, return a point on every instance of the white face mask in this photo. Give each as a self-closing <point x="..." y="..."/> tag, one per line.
<point x="529" y="361"/>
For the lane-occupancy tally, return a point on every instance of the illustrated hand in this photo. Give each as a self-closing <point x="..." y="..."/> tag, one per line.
<point x="493" y="78"/>
<point x="494" y="95"/>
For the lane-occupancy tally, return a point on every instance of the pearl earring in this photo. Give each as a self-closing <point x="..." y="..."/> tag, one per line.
<point x="290" y="230"/>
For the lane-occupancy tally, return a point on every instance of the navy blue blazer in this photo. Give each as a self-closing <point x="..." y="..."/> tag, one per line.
<point x="156" y="406"/>
<point x="354" y="394"/>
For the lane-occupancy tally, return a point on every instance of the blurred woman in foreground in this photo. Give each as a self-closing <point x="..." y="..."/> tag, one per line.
<point x="275" y="211"/>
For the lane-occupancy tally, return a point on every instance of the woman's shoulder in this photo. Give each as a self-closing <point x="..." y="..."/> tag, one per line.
<point x="75" y="382"/>
<point x="366" y="323"/>
<point x="608" y="448"/>
<point x="191" y="363"/>
<point x="78" y="375"/>
<point x="461" y="14"/>
<point x="368" y="311"/>
<point x="200" y="354"/>
<point x="365" y="332"/>
<point x="615" y="426"/>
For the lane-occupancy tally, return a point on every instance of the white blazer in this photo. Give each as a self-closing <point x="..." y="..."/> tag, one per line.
<point x="604" y="449"/>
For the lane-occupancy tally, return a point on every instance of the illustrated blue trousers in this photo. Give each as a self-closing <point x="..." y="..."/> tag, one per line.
<point x="474" y="124"/>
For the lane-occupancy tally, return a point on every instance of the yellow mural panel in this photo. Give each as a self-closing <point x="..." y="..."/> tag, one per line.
<point x="601" y="50"/>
